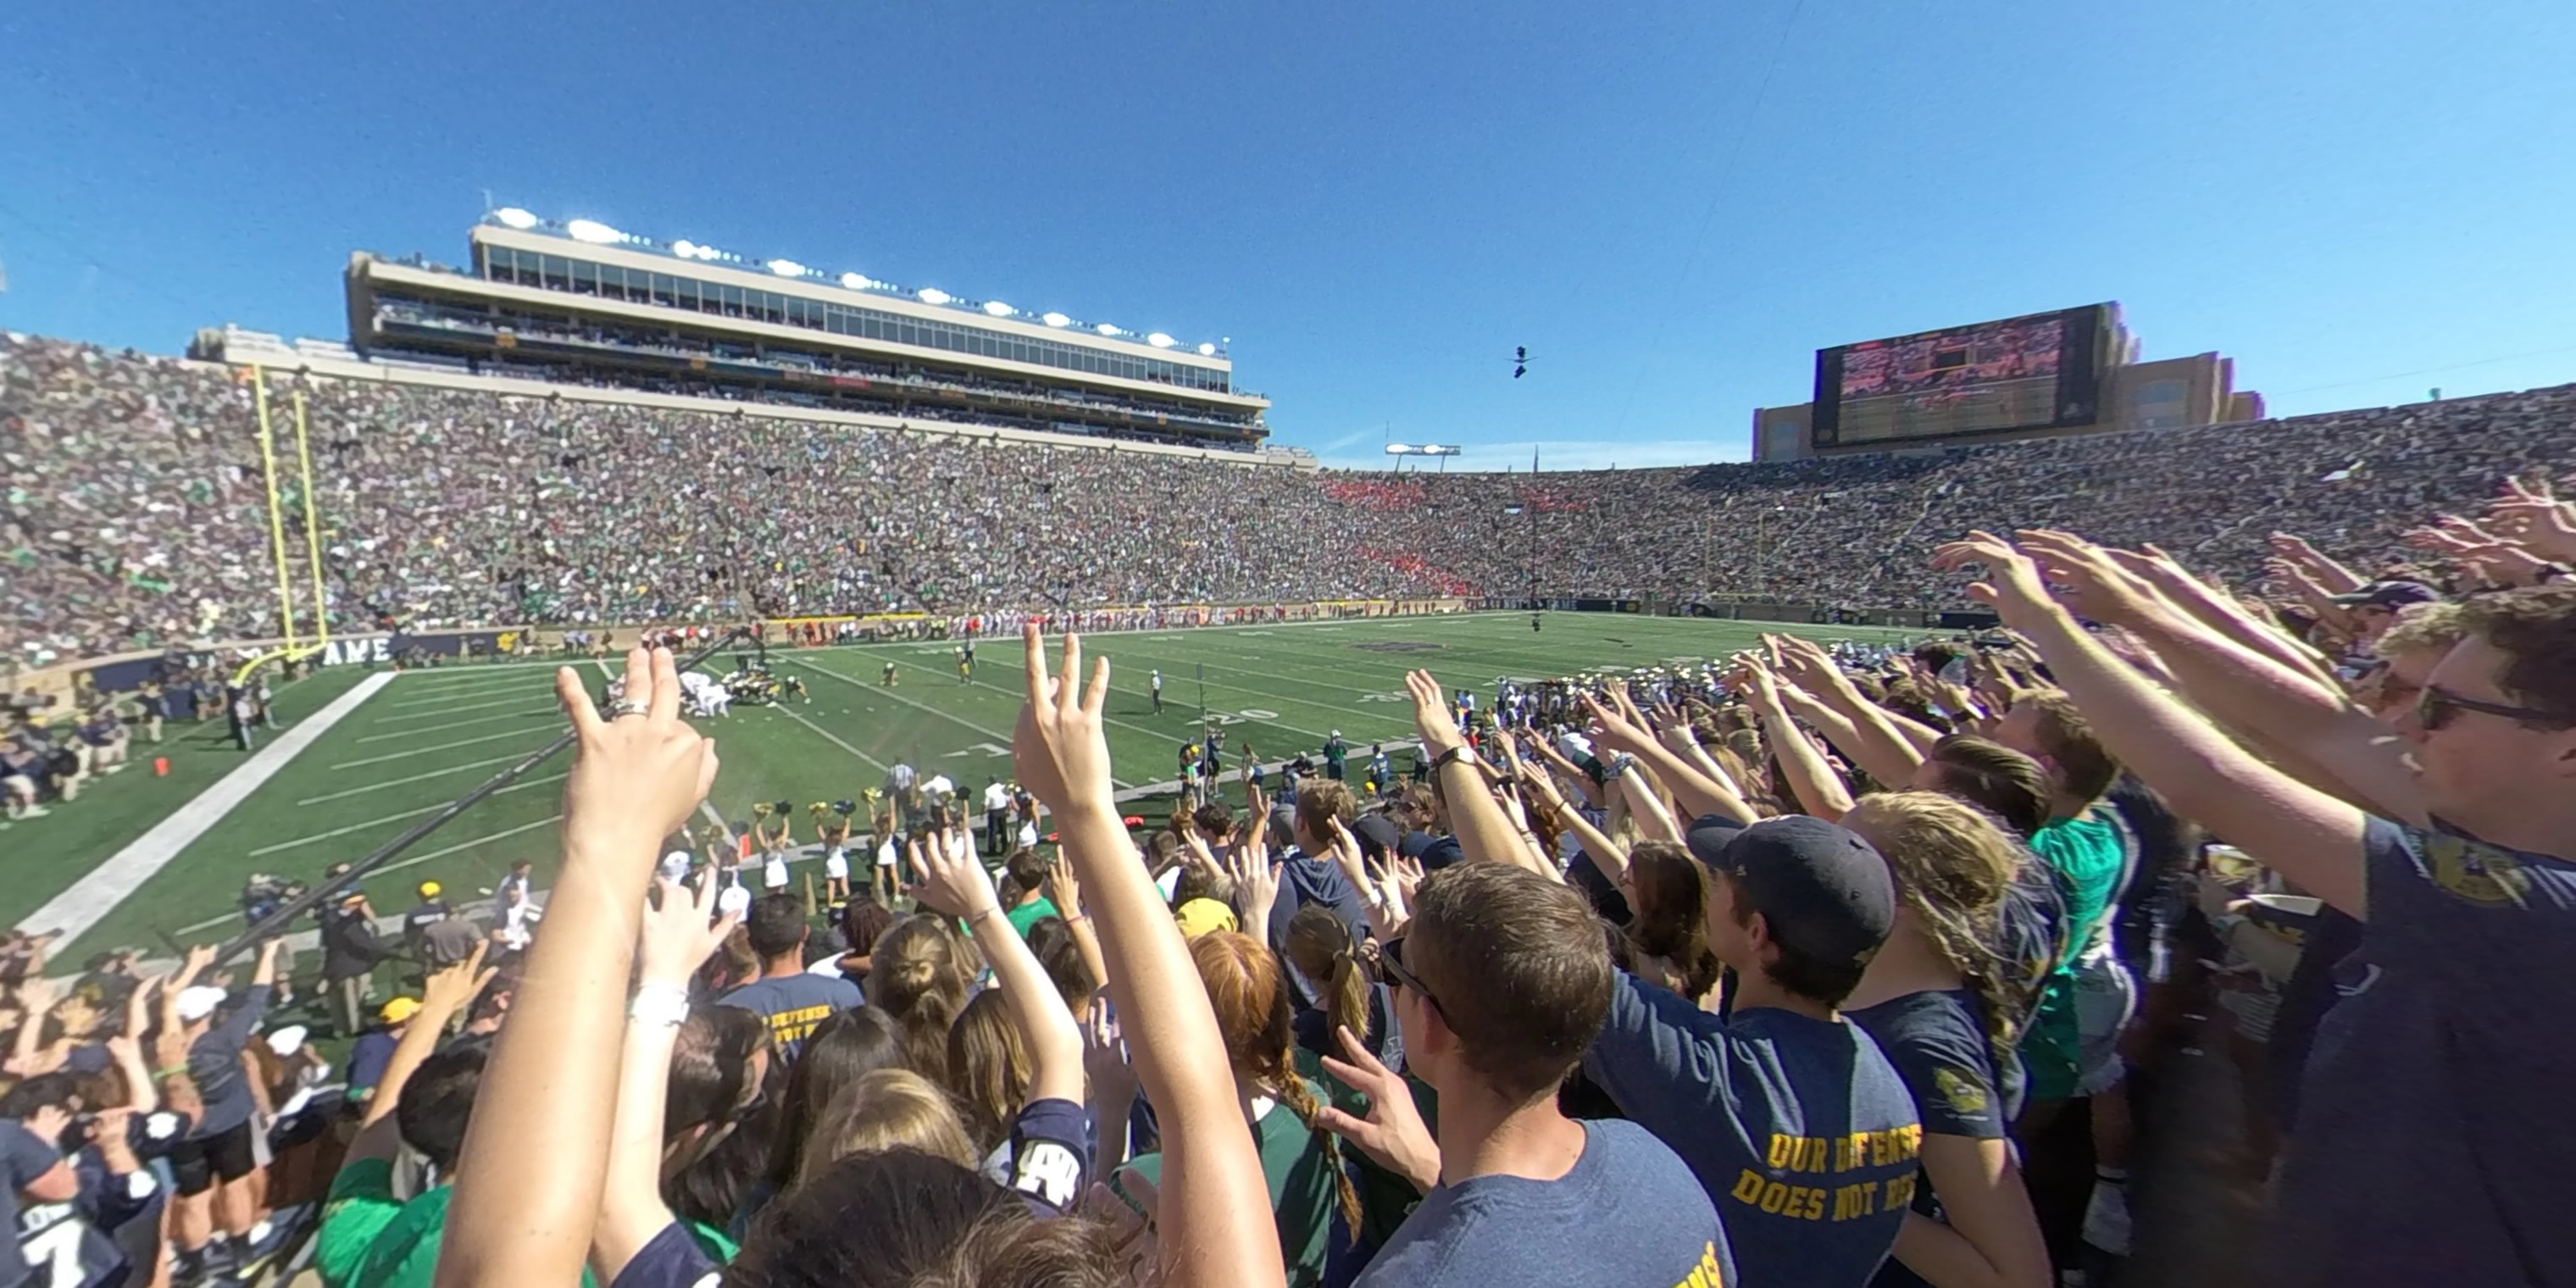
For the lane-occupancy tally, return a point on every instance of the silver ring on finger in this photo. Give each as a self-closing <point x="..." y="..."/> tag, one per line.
<point x="624" y="707"/>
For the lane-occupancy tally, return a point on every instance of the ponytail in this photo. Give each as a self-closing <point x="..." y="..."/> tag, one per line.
<point x="1349" y="994"/>
<point x="1299" y="1099"/>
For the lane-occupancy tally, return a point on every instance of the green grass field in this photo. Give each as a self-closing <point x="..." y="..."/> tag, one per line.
<point x="428" y="736"/>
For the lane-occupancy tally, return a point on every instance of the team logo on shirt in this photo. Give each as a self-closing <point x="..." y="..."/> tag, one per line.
<point x="1962" y="1092"/>
<point x="2474" y="871"/>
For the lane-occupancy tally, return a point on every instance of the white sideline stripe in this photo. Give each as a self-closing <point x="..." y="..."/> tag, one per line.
<point x="447" y="706"/>
<point x="461" y="724"/>
<point x="397" y="782"/>
<point x="394" y="818"/>
<point x="998" y="737"/>
<point x="444" y="746"/>
<point x="98" y="892"/>
<point x="834" y="739"/>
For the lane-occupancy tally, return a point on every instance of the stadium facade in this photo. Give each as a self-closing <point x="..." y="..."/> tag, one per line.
<point x="2044" y="375"/>
<point x="575" y="305"/>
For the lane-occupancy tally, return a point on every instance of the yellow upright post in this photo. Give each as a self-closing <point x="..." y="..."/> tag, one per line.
<point x="312" y="529"/>
<point x="276" y="516"/>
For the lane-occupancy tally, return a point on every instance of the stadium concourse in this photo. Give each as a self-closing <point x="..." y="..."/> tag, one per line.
<point x="1652" y="951"/>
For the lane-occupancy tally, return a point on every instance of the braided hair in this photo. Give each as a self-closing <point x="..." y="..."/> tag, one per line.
<point x="1249" y="992"/>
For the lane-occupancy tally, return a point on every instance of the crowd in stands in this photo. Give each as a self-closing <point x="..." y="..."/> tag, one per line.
<point x="1799" y="967"/>
<point x="137" y="515"/>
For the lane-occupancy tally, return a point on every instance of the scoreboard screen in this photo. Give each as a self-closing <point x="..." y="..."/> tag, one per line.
<point x="2034" y="372"/>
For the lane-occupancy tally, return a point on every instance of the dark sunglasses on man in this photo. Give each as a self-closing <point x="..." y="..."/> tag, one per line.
<point x="2435" y="709"/>
<point x="1392" y="972"/>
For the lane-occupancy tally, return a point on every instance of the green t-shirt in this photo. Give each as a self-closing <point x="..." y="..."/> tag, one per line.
<point x="1029" y="914"/>
<point x="1302" y="1198"/>
<point x="2084" y="859"/>
<point x="370" y="1239"/>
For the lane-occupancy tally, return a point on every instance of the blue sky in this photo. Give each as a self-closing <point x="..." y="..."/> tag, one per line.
<point x="1672" y="205"/>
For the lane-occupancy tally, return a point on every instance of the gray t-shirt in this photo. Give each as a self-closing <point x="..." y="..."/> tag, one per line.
<point x="1629" y="1214"/>
<point x="2428" y="1151"/>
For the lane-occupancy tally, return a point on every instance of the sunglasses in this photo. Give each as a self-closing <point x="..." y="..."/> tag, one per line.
<point x="2434" y="709"/>
<point x="1392" y="971"/>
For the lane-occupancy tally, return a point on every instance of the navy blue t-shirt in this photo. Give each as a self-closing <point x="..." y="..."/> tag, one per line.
<point x="793" y="1005"/>
<point x="1627" y="1215"/>
<point x="1799" y="1129"/>
<point x="1304" y="879"/>
<point x="24" y="1156"/>
<point x="1938" y="1044"/>
<point x="214" y="1064"/>
<point x="2428" y="1151"/>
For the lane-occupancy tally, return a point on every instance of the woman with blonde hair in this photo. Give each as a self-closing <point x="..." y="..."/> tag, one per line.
<point x="915" y="978"/>
<point x="887" y="1110"/>
<point x="1935" y="998"/>
<point x="988" y="1074"/>
<point x="1309" y="1186"/>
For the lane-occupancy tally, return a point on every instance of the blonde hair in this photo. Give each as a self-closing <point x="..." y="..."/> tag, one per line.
<point x="1952" y="866"/>
<point x="988" y="1068"/>
<point x="885" y="1110"/>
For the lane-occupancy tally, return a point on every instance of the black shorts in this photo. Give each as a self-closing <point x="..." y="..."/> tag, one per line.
<point x="199" y="1161"/>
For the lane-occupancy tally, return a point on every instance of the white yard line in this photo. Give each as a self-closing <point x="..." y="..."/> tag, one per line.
<point x="462" y="724"/>
<point x="397" y="782"/>
<point x="450" y="706"/>
<point x="423" y="751"/>
<point x="997" y="737"/>
<point x="412" y="860"/>
<point x="96" y="894"/>
<point x="833" y="738"/>
<point x="394" y="818"/>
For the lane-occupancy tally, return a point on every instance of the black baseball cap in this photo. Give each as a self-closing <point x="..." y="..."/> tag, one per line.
<point x="2391" y="595"/>
<point x="1378" y="836"/>
<point x="1823" y="890"/>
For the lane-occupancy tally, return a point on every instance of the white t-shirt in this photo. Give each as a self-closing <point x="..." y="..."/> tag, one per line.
<point x="996" y="799"/>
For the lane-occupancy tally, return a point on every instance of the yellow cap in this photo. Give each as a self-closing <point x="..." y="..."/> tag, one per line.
<point x="430" y="889"/>
<point x="1202" y="916"/>
<point x="399" y="1010"/>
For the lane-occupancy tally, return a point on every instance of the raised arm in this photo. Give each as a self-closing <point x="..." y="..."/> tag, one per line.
<point x="1698" y="793"/>
<point x="1484" y="831"/>
<point x="1820" y="791"/>
<point x="678" y="936"/>
<point x="954" y="882"/>
<point x="1064" y="890"/>
<point x="1214" y="1213"/>
<point x="443" y="997"/>
<point x="550" y="1088"/>
<point x="2306" y="835"/>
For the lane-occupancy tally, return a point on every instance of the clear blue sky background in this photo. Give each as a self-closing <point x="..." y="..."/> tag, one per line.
<point x="1673" y="205"/>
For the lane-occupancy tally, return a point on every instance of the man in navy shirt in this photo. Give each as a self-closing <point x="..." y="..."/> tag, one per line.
<point x="1308" y="874"/>
<point x="2426" y="1151"/>
<point x="1500" y="982"/>
<point x="791" y="1001"/>
<point x="1797" y="1126"/>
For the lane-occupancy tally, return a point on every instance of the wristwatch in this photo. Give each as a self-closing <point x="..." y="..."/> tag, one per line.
<point x="1452" y="756"/>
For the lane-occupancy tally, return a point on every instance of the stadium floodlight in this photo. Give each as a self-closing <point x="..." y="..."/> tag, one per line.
<point x="685" y="249"/>
<point x="933" y="295"/>
<point x="1206" y="350"/>
<point x="515" y="217"/>
<point x="856" y="281"/>
<point x="998" y="309"/>
<point x="1106" y="329"/>
<point x="786" y="268"/>
<point x="1399" y="449"/>
<point x="1160" y="340"/>
<point x="593" y="231"/>
<point x="1056" y="319"/>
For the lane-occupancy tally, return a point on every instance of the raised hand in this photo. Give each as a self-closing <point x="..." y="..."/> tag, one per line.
<point x="1431" y="718"/>
<point x="1064" y="889"/>
<point x="1256" y="881"/>
<point x="2012" y="588"/>
<point x="681" y="933"/>
<point x="1393" y="1133"/>
<point x="953" y="881"/>
<point x="1104" y="1061"/>
<point x="637" y="773"/>
<point x="451" y="990"/>
<point x="2092" y="583"/>
<point x="1058" y="750"/>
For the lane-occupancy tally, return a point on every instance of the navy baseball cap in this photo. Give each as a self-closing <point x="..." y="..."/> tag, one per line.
<point x="1824" y="891"/>
<point x="2391" y="595"/>
<point x="1378" y="835"/>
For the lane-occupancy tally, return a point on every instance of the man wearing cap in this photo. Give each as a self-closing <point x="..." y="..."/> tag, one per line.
<point x="1794" y="1122"/>
<point x="374" y="1048"/>
<point x="2374" y="608"/>
<point x="215" y="1162"/>
<point x="429" y="912"/>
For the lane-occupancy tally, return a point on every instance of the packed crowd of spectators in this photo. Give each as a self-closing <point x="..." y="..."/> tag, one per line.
<point x="137" y="515"/>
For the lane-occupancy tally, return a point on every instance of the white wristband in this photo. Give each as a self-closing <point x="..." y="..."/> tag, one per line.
<point x="659" y="1004"/>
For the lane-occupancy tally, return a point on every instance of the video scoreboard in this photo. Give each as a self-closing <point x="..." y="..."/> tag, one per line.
<point x="2041" y="371"/>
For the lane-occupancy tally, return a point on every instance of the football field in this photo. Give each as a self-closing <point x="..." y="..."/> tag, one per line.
<point x="425" y="737"/>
